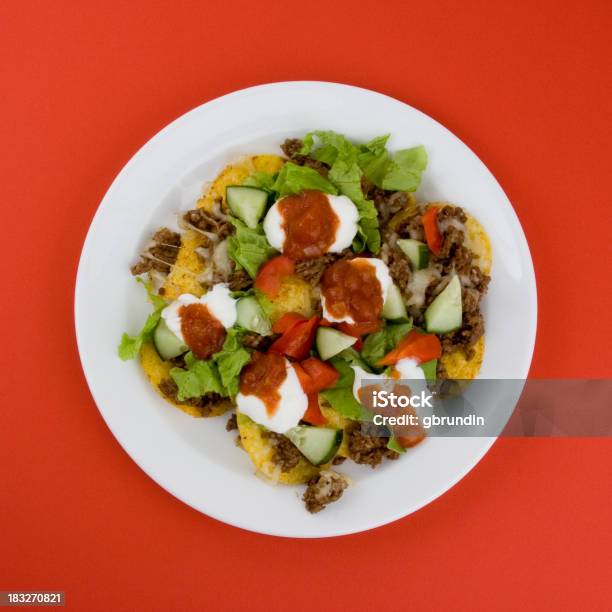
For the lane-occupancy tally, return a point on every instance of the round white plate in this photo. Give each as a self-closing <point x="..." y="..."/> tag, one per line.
<point x="196" y="459"/>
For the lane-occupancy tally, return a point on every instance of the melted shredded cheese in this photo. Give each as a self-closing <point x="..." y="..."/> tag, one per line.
<point x="418" y="285"/>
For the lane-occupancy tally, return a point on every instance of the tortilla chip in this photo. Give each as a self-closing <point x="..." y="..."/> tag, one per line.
<point x="235" y="174"/>
<point x="295" y="295"/>
<point x="158" y="370"/>
<point x="455" y="363"/>
<point x="261" y="453"/>
<point x="183" y="277"/>
<point x="478" y="242"/>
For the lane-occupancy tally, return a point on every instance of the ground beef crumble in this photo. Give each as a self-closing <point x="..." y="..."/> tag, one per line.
<point x="178" y="361"/>
<point x="311" y="270"/>
<point x="286" y="455"/>
<point x="161" y="254"/>
<point x="324" y="488"/>
<point x="387" y="203"/>
<point x="452" y="212"/>
<point x="400" y="271"/>
<point x="471" y="330"/>
<point x="367" y="446"/>
<point x="291" y="147"/>
<point x="239" y="280"/>
<point x="209" y="222"/>
<point x="258" y="342"/>
<point x="412" y="227"/>
<point x="232" y="423"/>
<point x="204" y="404"/>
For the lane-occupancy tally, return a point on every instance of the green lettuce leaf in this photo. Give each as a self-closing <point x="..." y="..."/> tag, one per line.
<point x="330" y="146"/>
<point x="230" y="361"/>
<point x="373" y="159"/>
<point x="248" y="248"/>
<point x="404" y="170"/>
<point x="293" y="179"/>
<point x="394" y="444"/>
<point x="129" y="347"/>
<point x="344" y="402"/>
<point x="341" y="397"/>
<point x="199" y="378"/>
<point x="430" y="369"/>
<point x="220" y="374"/>
<point x="378" y="344"/>
<point x="347" y="177"/>
<point x="261" y="180"/>
<point x="398" y="172"/>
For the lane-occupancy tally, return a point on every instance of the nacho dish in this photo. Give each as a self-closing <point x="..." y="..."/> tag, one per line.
<point x="294" y="278"/>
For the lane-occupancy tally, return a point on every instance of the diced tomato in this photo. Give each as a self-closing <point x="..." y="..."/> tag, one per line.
<point x="325" y="323"/>
<point x="358" y="345"/>
<point x="323" y="374"/>
<point x="297" y="341"/>
<point x="271" y="274"/>
<point x="422" y="347"/>
<point x="412" y="440"/>
<point x="313" y="414"/>
<point x="287" y="321"/>
<point x="306" y="381"/>
<point x="359" y="329"/>
<point x="432" y="231"/>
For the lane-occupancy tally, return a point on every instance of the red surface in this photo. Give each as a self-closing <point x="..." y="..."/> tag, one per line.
<point x="85" y="84"/>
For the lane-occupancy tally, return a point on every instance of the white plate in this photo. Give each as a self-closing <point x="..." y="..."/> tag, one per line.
<point x="195" y="459"/>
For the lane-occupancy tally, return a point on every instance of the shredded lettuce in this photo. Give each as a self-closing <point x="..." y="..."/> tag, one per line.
<point x="248" y="248"/>
<point x="430" y="369"/>
<point x="394" y="444"/>
<point x="230" y="361"/>
<point x="398" y="172"/>
<point x="378" y="344"/>
<point x="199" y="378"/>
<point x="352" y="357"/>
<point x="373" y="158"/>
<point x="341" y="397"/>
<point x="403" y="172"/>
<point x="261" y="180"/>
<point x="220" y="374"/>
<point x="293" y="179"/>
<point x="130" y="346"/>
<point x="328" y="147"/>
<point x="347" y="177"/>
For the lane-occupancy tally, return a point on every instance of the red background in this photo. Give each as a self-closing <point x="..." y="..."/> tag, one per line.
<point x="83" y="87"/>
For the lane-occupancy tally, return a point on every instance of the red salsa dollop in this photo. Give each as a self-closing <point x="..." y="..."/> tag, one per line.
<point x="204" y="334"/>
<point x="310" y="224"/>
<point x="351" y="288"/>
<point x="262" y="377"/>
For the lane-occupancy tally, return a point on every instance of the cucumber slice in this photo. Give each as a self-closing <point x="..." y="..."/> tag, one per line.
<point x="250" y="315"/>
<point x="445" y="313"/>
<point x="394" y="307"/>
<point x="166" y="343"/>
<point x="330" y="342"/>
<point x="417" y="252"/>
<point x="247" y="203"/>
<point x="317" y="444"/>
